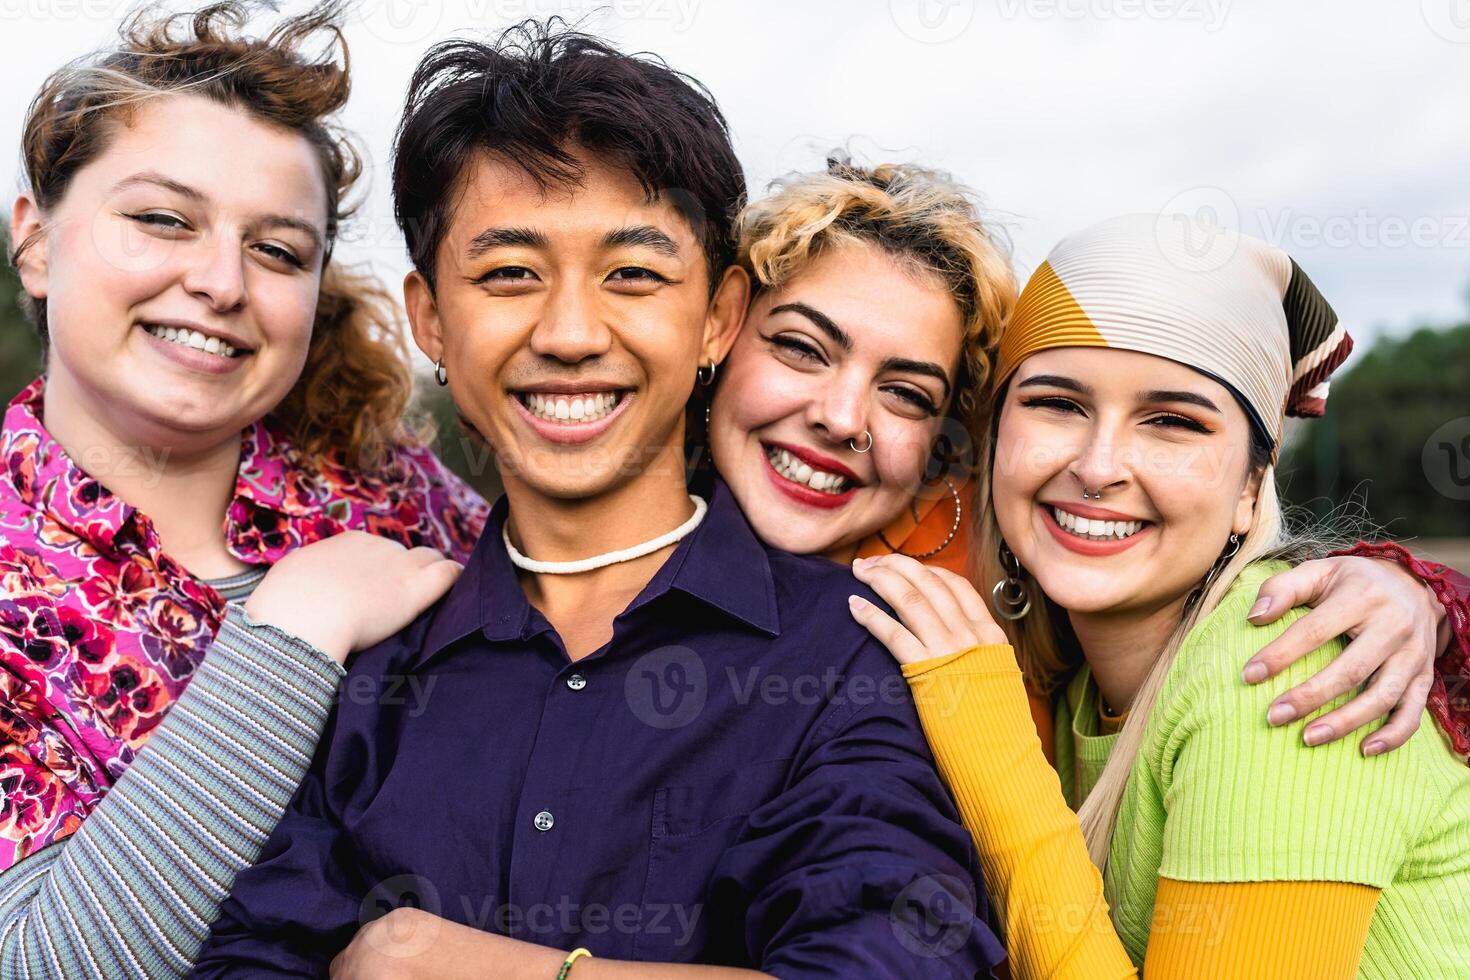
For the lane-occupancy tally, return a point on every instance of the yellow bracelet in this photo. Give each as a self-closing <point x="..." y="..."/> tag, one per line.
<point x="566" y="967"/>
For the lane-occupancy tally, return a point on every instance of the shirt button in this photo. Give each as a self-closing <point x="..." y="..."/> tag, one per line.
<point x="544" y="820"/>
<point x="576" y="682"/>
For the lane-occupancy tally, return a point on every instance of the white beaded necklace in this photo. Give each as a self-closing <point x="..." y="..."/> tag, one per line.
<point x="612" y="557"/>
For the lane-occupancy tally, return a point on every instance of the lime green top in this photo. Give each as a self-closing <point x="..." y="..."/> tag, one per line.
<point x="1219" y="795"/>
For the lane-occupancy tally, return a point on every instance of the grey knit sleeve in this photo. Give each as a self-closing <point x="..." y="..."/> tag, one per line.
<point x="133" y="892"/>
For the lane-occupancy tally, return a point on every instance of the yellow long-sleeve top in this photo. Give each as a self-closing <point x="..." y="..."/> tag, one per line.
<point x="1048" y="893"/>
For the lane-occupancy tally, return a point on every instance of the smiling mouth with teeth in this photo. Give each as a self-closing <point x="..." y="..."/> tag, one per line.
<point x="1095" y="530"/>
<point x="185" y="337"/>
<point x="569" y="409"/>
<point x="797" y="471"/>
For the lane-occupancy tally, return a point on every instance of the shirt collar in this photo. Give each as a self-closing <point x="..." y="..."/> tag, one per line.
<point x="274" y="476"/>
<point x="721" y="563"/>
<point x="45" y="477"/>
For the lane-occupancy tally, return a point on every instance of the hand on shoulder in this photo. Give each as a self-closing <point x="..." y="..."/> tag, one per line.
<point x="350" y="591"/>
<point x="939" y="612"/>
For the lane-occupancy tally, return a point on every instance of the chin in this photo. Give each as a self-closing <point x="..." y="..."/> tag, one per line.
<point x="575" y="480"/>
<point x="186" y="414"/>
<point x="1094" y="592"/>
<point x="796" y="540"/>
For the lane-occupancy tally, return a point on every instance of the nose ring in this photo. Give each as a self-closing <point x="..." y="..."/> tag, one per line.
<point x="1091" y="496"/>
<point x="852" y="443"/>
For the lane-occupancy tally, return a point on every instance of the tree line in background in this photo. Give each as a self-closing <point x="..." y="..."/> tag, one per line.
<point x="1395" y="443"/>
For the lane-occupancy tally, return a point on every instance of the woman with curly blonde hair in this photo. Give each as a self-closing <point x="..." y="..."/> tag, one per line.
<point x="217" y="396"/>
<point x="884" y="284"/>
<point x="844" y="423"/>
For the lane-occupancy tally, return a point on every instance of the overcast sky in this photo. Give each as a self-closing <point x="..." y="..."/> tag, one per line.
<point x="1336" y="128"/>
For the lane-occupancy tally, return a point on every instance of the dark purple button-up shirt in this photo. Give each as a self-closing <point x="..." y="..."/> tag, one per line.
<point x="738" y="777"/>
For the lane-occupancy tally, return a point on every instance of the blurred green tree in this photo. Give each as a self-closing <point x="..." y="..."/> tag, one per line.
<point x="20" y="349"/>
<point x="461" y="449"/>
<point x="1396" y="438"/>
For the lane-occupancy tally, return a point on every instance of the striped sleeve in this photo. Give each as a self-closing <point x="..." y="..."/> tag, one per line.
<point x="133" y="892"/>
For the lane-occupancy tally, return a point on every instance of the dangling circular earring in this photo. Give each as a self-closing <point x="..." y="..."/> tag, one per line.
<point x="440" y="375"/>
<point x="1220" y="563"/>
<point x="1009" y="597"/>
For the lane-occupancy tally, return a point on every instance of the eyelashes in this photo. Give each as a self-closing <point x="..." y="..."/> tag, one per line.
<point x="807" y="352"/>
<point x="802" y="350"/>
<point x="1166" y="420"/>
<point x="166" y="221"/>
<point x="159" y="219"/>
<point x="519" y="273"/>
<point x="644" y="274"/>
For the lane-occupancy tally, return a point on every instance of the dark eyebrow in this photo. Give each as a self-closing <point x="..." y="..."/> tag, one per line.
<point x="1055" y="381"/>
<point x="159" y="180"/>
<point x="644" y="236"/>
<point x="1186" y="397"/>
<point x="822" y="321"/>
<point x="504" y="238"/>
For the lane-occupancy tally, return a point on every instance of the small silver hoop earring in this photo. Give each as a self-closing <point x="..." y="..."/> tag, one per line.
<point x="440" y="375"/>
<point x="1009" y="598"/>
<point x="705" y="374"/>
<point x="852" y="443"/>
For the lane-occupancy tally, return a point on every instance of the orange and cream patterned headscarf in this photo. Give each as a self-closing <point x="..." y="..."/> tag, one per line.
<point x="1226" y="304"/>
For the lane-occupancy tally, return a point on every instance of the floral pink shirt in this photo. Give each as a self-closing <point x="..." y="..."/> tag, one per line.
<point x="100" y="630"/>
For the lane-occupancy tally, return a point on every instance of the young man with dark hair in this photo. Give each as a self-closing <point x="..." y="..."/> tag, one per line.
<point x="638" y="730"/>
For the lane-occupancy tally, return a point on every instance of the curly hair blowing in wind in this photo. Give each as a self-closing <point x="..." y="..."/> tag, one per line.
<point x="356" y="384"/>
<point x="917" y="215"/>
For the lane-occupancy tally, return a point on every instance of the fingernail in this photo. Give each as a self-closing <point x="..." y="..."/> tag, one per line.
<point x="1262" y="606"/>
<point x="856" y="602"/>
<point x="1316" y="734"/>
<point x="1374" y="748"/>
<point x="1280" y="714"/>
<point x="861" y="562"/>
<point x="1254" y="672"/>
